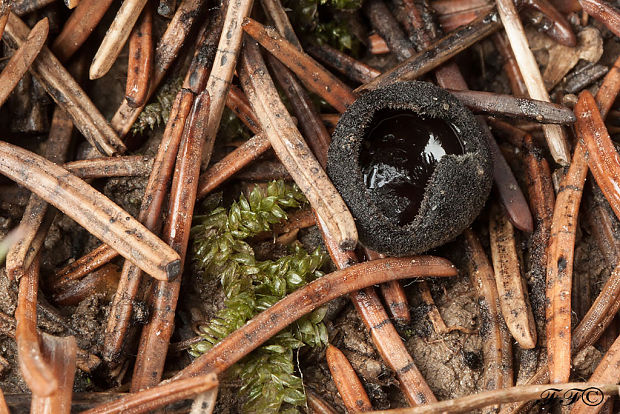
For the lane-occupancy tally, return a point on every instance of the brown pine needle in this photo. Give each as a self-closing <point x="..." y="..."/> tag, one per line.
<point x="604" y="13"/>
<point x="486" y="398"/>
<point x="85" y="264"/>
<point x="156" y="334"/>
<point x="292" y="307"/>
<point x="292" y="151"/>
<point x="232" y="163"/>
<point x="603" y="158"/>
<point x="561" y="250"/>
<point x="89" y="208"/>
<point x="66" y="92"/>
<point x="78" y="27"/>
<point x="556" y="139"/>
<point x="166" y="52"/>
<point x="116" y="37"/>
<point x="21" y="60"/>
<point x="32" y="365"/>
<point x="155" y="193"/>
<point x="511" y="287"/>
<point x="347" y="382"/>
<point x="140" y="63"/>
<point x="314" y="76"/>
<point x="126" y="166"/>
<point x="60" y="354"/>
<point x="152" y="398"/>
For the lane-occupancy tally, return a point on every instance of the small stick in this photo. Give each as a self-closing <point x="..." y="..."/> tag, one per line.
<point x="560" y="259"/>
<point x="38" y="217"/>
<point x="317" y="404"/>
<point x="602" y="155"/>
<point x="343" y="63"/>
<point x="266" y="324"/>
<point x="126" y="166"/>
<point x="317" y="78"/>
<point x="156" y="334"/>
<point x="24" y="7"/>
<point x="60" y="354"/>
<point x="155" y="192"/>
<point x="166" y="51"/>
<point x="513" y="298"/>
<point x="66" y="92"/>
<point x="393" y="294"/>
<point x="519" y="108"/>
<point x="556" y="139"/>
<point x="604" y="13"/>
<point x="386" y="25"/>
<point x="153" y="398"/>
<point x="232" y="163"/>
<point x="608" y="370"/>
<point x="78" y="27"/>
<point x="506" y="395"/>
<point x="440" y="51"/>
<point x="347" y="382"/>
<point x="85" y="265"/>
<point x="140" y="63"/>
<point x="166" y="8"/>
<point x="90" y="209"/>
<point x="33" y="367"/>
<point x="291" y="149"/>
<point x="21" y="60"/>
<point x="496" y="344"/>
<point x="115" y="37"/>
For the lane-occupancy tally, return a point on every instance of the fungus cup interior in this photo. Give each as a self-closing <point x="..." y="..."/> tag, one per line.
<point x="398" y="157"/>
<point x="412" y="164"/>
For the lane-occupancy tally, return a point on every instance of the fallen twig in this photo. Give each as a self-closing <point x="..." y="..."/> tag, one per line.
<point x="90" y="209"/>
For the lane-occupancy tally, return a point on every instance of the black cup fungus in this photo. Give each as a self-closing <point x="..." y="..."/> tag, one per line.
<point x="412" y="164"/>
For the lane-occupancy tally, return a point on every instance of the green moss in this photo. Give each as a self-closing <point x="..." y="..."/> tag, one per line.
<point x="252" y="286"/>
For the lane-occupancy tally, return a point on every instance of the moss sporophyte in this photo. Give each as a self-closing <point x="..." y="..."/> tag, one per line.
<point x="220" y="249"/>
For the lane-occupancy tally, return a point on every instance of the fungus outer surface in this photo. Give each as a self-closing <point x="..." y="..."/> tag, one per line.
<point x="412" y="164"/>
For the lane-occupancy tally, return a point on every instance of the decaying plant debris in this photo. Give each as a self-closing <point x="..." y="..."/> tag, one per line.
<point x="170" y="239"/>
